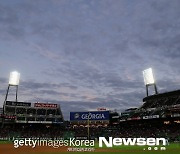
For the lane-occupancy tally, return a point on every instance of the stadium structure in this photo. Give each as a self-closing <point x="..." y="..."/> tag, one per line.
<point x="162" y="106"/>
<point x="26" y="112"/>
<point x="159" y="116"/>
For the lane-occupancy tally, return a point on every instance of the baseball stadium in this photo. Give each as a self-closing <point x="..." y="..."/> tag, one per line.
<point x="158" y="117"/>
<point x="93" y="76"/>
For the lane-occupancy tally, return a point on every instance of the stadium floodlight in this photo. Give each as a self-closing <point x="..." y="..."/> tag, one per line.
<point x="14" y="78"/>
<point x="13" y="81"/>
<point x="148" y="77"/>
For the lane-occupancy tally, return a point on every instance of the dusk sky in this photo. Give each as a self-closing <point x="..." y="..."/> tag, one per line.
<point x="86" y="54"/>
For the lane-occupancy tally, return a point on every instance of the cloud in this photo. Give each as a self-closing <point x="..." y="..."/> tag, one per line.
<point x="90" y="53"/>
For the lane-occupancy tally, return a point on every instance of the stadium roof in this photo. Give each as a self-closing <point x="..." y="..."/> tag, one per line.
<point x="171" y="93"/>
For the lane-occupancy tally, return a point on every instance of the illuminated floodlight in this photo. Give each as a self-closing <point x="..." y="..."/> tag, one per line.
<point x="148" y="77"/>
<point x="13" y="81"/>
<point x="14" y="78"/>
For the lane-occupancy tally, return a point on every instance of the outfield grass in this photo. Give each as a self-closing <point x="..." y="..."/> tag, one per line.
<point x="5" y="142"/>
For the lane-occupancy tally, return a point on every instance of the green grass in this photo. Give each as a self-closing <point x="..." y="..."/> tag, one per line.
<point x="5" y="142"/>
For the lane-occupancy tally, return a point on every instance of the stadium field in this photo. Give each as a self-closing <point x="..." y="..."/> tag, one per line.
<point x="8" y="146"/>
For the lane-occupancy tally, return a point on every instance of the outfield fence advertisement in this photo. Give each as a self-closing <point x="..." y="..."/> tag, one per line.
<point x="92" y="115"/>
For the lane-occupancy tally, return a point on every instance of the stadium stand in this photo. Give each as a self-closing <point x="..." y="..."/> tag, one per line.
<point x="156" y="106"/>
<point x="26" y="112"/>
<point x="171" y="131"/>
<point x="159" y="116"/>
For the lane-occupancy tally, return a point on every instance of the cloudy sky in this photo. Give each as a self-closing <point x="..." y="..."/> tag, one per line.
<point x="86" y="54"/>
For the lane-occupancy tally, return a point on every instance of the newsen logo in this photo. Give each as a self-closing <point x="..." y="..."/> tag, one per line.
<point x="131" y="141"/>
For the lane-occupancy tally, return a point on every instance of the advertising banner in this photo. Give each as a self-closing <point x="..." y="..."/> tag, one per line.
<point x="11" y="103"/>
<point x="45" y="105"/>
<point x="92" y="115"/>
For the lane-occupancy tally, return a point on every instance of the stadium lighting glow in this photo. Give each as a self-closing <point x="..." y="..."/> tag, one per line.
<point x="148" y="76"/>
<point x="14" y="78"/>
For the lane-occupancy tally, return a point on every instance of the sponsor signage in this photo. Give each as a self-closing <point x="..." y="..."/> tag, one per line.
<point x="45" y="105"/>
<point x="42" y="122"/>
<point x="9" y="117"/>
<point x="21" y="121"/>
<point x="151" y="117"/>
<point x="54" y="122"/>
<point x="101" y="109"/>
<point x="92" y="115"/>
<point x="34" y="122"/>
<point x="175" y="115"/>
<point x="122" y="120"/>
<point x="135" y="118"/>
<point x="11" y="103"/>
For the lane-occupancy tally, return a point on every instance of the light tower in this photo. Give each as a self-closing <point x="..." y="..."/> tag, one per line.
<point x="149" y="80"/>
<point x="13" y="81"/>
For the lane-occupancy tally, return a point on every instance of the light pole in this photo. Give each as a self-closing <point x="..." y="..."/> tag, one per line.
<point x="88" y="124"/>
<point x="149" y="80"/>
<point x="13" y="81"/>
